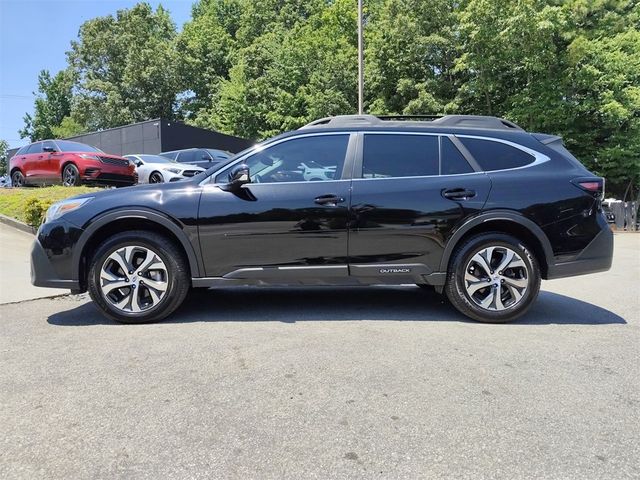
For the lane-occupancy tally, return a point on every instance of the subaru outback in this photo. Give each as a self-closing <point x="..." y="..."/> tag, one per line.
<point x="473" y="207"/>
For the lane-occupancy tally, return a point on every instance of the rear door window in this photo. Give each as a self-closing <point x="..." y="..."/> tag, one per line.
<point x="393" y="155"/>
<point x="493" y="155"/>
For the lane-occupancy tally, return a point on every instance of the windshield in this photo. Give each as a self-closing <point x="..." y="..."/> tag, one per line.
<point x="68" y="146"/>
<point x="156" y="159"/>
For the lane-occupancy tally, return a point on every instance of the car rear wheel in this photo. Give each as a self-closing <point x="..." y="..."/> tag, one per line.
<point x="493" y="277"/>
<point x="17" y="179"/>
<point x="138" y="277"/>
<point x="70" y="176"/>
<point x="156" y="177"/>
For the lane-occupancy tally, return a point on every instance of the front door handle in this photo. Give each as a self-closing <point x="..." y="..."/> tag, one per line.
<point x="458" y="194"/>
<point x="329" y="200"/>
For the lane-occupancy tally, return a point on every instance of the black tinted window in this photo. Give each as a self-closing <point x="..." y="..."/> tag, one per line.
<point x="203" y="156"/>
<point x="307" y="159"/>
<point x="190" y="156"/>
<point x="35" y="148"/>
<point x="171" y="155"/>
<point x="492" y="155"/>
<point x="49" y="144"/>
<point x="453" y="162"/>
<point x="399" y="156"/>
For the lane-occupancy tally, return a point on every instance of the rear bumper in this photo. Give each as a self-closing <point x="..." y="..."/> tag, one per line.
<point x="43" y="273"/>
<point x="596" y="257"/>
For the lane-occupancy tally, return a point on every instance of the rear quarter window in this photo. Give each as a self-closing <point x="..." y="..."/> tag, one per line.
<point x="492" y="155"/>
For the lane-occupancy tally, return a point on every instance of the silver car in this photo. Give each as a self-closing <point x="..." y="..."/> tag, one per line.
<point x="159" y="169"/>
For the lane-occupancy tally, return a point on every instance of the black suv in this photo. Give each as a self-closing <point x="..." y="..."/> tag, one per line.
<point x="471" y="206"/>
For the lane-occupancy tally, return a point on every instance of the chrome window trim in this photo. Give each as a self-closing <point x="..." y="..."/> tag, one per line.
<point x="262" y="146"/>
<point x="539" y="158"/>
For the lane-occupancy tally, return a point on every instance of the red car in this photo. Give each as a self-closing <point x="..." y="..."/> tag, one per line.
<point x="72" y="163"/>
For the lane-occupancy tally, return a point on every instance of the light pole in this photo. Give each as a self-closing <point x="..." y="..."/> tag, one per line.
<point x="360" y="61"/>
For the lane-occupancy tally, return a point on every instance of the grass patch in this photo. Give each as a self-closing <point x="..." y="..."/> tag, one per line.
<point x="14" y="202"/>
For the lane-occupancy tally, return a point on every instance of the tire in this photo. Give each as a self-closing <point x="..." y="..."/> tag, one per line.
<point x="508" y="293"/>
<point x="70" y="175"/>
<point x="156" y="177"/>
<point x="161" y="288"/>
<point x="17" y="179"/>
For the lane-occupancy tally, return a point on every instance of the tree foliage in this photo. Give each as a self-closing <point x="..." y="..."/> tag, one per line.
<point x="4" y="146"/>
<point x="126" y="68"/>
<point x="258" y="67"/>
<point x="52" y="105"/>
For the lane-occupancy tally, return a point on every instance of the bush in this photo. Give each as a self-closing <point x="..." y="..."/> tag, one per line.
<point x="35" y="210"/>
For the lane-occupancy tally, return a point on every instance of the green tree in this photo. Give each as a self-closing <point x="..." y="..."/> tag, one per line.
<point x="52" y="105"/>
<point x="126" y="68"/>
<point x="411" y="47"/>
<point x="4" y="146"/>
<point x="300" y="68"/>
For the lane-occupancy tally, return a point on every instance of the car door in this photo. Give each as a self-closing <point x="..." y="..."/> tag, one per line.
<point x="32" y="165"/>
<point x="50" y="158"/>
<point x="280" y="226"/>
<point x="410" y="190"/>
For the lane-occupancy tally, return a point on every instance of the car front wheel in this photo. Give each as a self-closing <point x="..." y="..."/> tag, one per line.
<point x="70" y="176"/>
<point x="17" y="179"/>
<point x="493" y="277"/>
<point x="156" y="177"/>
<point x="138" y="277"/>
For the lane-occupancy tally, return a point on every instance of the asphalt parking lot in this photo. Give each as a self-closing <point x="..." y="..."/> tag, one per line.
<point x="376" y="382"/>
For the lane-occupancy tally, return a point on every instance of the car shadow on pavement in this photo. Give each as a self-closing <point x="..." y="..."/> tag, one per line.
<point x="290" y="305"/>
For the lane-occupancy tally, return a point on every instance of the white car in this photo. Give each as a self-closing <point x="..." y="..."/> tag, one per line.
<point x="159" y="169"/>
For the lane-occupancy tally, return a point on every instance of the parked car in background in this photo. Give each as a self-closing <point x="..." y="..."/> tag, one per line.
<point x="70" y="163"/>
<point x="203" y="157"/>
<point x="473" y="207"/>
<point x="5" y="181"/>
<point x="159" y="169"/>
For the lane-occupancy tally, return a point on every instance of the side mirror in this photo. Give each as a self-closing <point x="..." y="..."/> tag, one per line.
<point x="238" y="177"/>
<point x="49" y="149"/>
<point x="139" y="163"/>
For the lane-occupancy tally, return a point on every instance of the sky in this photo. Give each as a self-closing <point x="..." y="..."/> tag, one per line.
<point x="35" y="34"/>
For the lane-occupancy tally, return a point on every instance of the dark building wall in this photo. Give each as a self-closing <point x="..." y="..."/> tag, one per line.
<point x="155" y="136"/>
<point x="176" y="136"/>
<point x="141" y="137"/>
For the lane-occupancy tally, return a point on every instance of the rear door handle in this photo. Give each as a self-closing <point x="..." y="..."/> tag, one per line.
<point x="329" y="200"/>
<point x="458" y="194"/>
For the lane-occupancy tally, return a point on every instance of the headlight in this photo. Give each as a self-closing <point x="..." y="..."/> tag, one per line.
<point x="89" y="156"/>
<point x="173" y="170"/>
<point x="58" y="209"/>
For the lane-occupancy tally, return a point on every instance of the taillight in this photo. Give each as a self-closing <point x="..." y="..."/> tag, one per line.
<point x="593" y="185"/>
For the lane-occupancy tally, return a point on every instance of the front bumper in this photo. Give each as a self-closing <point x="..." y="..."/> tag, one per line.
<point x="52" y="257"/>
<point x="596" y="257"/>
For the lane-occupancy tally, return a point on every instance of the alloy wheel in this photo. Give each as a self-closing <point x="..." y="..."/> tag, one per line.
<point x="17" y="180"/>
<point x="496" y="278"/>
<point x="156" y="178"/>
<point x="70" y="176"/>
<point x="134" y="279"/>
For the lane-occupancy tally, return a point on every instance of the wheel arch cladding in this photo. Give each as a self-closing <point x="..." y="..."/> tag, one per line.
<point x="505" y="222"/>
<point x="116" y="222"/>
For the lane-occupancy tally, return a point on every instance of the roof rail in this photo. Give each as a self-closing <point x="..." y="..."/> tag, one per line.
<point x="464" y="121"/>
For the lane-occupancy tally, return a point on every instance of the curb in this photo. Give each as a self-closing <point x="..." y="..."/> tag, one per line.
<point x="12" y="222"/>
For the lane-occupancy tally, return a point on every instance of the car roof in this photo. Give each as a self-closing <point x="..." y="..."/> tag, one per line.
<point x="469" y="125"/>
